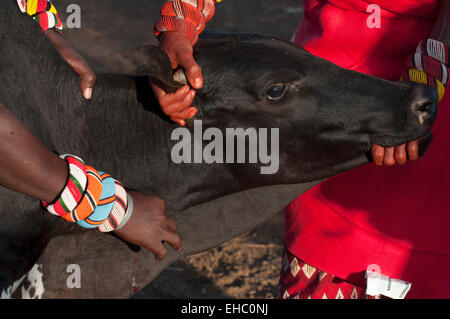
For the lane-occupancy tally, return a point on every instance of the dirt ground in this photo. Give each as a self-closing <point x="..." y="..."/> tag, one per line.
<point x="109" y="37"/>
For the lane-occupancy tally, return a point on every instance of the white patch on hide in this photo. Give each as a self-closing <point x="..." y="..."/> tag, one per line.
<point x="6" y="294"/>
<point x="36" y="284"/>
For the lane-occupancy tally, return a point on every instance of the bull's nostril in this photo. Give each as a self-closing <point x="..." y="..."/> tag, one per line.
<point x="424" y="110"/>
<point x="427" y="107"/>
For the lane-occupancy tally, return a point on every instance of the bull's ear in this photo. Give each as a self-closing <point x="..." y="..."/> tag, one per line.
<point x="158" y="68"/>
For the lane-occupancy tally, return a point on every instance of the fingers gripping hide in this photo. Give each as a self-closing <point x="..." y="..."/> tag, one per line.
<point x="400" y="154"/>
<point x="413" y="150"/>
<point x="378" y="154"/>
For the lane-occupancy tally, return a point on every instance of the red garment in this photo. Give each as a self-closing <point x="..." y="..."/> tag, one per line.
<point x="395" y="217"/>
<point x="299" y="280"/>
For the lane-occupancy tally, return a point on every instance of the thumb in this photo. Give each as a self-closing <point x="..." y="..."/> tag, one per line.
<point x="87" y="83"/>
<point x="192" y="69"/>
<point x="84" y="71"/>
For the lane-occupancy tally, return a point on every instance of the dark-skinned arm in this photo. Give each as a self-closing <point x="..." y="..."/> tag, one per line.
<point x="76" y="61"/>
<point x="28" y="167"/>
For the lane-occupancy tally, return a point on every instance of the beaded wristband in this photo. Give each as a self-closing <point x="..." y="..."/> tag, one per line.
<point x="121" y="211"/>
<point x="128" y="212"/>
<point x="104" y="205"/>
<point x="185" y="16"/>
<point x="434" y="49"/>
<point x="92" y="199"/>
<point x="421" y="77"/>
<point x="43" y="12"/>
<point x="429" y="66"/>
<point x="74" y="190"/>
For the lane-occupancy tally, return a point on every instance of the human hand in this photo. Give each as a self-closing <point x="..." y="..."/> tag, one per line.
<point x="79" y="65"/>
<point x="149" y="226"/>
<point x="180" y="51"/>
<point x="390" y="156"/>
<point x="429" y="67"/>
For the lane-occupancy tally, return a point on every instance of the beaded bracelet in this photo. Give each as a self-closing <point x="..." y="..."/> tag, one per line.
<point x="429" y="66"/>
<point x="90" y="197"/>
<point x="185" y="16"/>
<point x="421" y="77"/>
<point x="43" y="12"/>
<point x="104" y="205"/>
<point x="120" y="212"/>
<point x="97" y="201"/>
<point x="74" y="189"/>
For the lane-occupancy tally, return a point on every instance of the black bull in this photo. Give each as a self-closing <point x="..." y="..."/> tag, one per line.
<point x="328" y="119"/>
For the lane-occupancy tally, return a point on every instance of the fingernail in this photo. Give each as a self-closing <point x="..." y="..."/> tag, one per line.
<point x="192" y="113"/>
<point x="88" y="93"/>
<point x="197" y="83"/>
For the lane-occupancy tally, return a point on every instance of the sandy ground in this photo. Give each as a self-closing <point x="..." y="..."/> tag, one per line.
<point x="109" y="37"/>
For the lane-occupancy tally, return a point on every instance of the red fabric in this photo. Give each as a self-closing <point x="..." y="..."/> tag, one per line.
<point x="299" y="280"/>
<point x="396" y="217"/>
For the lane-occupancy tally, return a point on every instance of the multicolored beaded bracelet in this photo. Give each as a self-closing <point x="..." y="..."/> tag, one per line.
<point x="120" y="212"/>
<point x="104" y="205"/>
<point x="92" y="199"/>
<point x="185" y="16"/>
<point x="429" y="65"/>
<point x="43" y="12"/>
<point x="74" y="189"/>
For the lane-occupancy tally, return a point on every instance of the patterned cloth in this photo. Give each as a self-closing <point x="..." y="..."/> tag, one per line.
<point x="299" y="280"/>
<point x="43" y="12"/>
<point x="185" y="16"/>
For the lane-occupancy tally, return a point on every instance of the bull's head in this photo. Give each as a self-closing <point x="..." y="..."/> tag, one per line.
<point x="328" y="117"/>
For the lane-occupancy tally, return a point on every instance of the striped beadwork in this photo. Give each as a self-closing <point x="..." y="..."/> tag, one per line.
<point x="43" y="12"/>
<point x="90" y="198"/>
<point x="104" y="205"/>
<point x="418" y="76"/>
<point x="185" y="16"/>
<point x="429" y="66"/>
<point x="74" y="190"/>
<point x="118" y="211"/>
<point x="434" y="49"/>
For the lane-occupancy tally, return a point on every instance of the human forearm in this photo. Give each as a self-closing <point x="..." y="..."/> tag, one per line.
<point x="26" y="165"/>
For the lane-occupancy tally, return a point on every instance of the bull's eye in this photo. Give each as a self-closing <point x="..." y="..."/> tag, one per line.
<point x="276" y="92"/>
